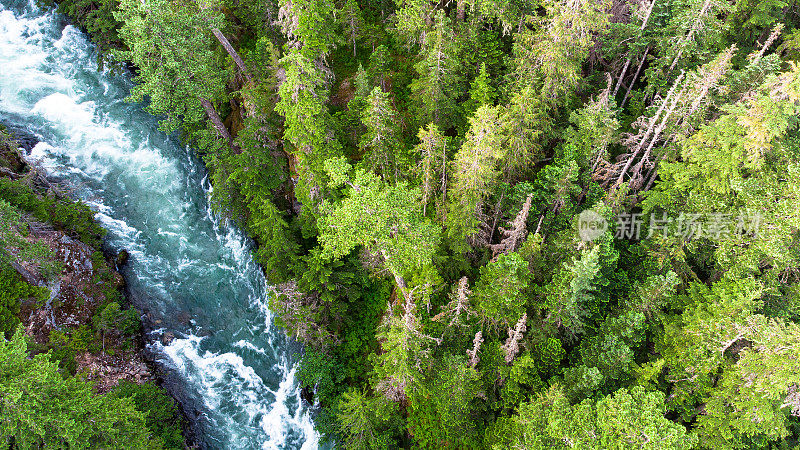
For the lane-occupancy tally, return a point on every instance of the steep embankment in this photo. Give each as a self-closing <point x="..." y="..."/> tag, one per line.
<point x="66" y="293"/>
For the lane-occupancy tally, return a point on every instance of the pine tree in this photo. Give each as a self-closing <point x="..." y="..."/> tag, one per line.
<point x="565" y="298"/>
<point x="475" y="170"/>
<point x="309" y="26"/>
<point x="439" y="410"/>
<point x="350" y="17"/>
<point x="480" y="93"/>
<point x="435" y="89"/>
<point x="550" y="58"/>
<point x="302" y="104"/>
<point x="380" y="143"/>
<point x="500" y="290"/>
<point x="432" y="166"/>
<point x="364" y="420"/>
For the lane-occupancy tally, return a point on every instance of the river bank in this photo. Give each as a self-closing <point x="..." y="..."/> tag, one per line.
<point x="78" y="311"/>
<point x="204" y="299"/>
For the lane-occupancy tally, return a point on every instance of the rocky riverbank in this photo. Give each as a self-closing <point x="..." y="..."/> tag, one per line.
<point x="65" y="290"/>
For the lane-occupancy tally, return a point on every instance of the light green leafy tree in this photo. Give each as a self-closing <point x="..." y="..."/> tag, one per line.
<point x="500" y="292"/>
<point x="385" y="219"/>
<point x="39" y="408"/>
<point x="179" y="70"/>
<point x="625" y="420"/>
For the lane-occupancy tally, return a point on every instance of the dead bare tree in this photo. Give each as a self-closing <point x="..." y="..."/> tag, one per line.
<point x="646" y="18"/>
<point x="511" y="347"/>
<point x="476" y="346"/>
<point x="674" y="117"/>
<point x="513" y="236"/>
<point x="459" y="309"/>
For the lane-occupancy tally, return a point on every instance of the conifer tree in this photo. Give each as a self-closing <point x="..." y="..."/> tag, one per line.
<point x="475" y="170"/>
<point x="481" y="92"/>
<point x="432" y="166"/>
<point x="302" y="104"/>
<point x="350" y="17"/>
<point x="435" y="89"/>
<point x="380" y="143"/>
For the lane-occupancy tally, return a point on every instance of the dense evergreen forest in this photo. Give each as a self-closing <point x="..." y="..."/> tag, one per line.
<point x="505" y="223"/>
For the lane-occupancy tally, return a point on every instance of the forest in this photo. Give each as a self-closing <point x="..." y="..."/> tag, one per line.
<point x="504" y="223"/>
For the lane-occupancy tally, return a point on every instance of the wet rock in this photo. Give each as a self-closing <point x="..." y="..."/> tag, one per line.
<point x="167" y="338"/>
<point x="307" y="395"/>
<point x="24" y="138"/>
<point x="122" y="259"/>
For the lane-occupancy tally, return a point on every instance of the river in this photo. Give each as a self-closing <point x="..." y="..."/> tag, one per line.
<point x="190" y="273"/>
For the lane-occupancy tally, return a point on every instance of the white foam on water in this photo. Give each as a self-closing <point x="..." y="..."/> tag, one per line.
<point x="249" y="345"/>
<point x="48" y="79"/>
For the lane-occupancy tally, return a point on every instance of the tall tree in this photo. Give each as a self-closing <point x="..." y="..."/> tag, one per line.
<point x="432" y="166"/>
<point x="170" y="44"/>
<point x="381" y="141"/>
<point x="350" y="17"/>
<point x="475" y="170"/>
<point x="302" y="104"/>
<point x="309" y="26"/>
<point x="435" y="89"/>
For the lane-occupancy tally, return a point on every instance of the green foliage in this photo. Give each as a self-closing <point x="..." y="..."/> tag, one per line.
<point x="380" y="142"/>
<point x="481" y="93"/>
<point x="367" y="422"/>
<point x="71" y="217"/>
<point x="566" y="297"/>
<point x="500" y="290"/>
<point x="626" y="420"/>
<point x="171" y="45"/>
<point x="311" y="23"/>
<point x="323" y="374"/>
<point x="385" y="219"/>
<point x="96" y="17"/>
<point x="162" y="417"/>
<point x="112" y="318"/>
<point x="435" y="89"/>
<point x="65" y="346"/>
<point x="40" y="408"/>
<point x="382" y="181"/>
<point x="440" y="408"/>
<point x="12" y="290"/>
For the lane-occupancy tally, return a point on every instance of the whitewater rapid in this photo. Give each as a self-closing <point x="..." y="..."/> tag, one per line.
<point x="192" y="274"/>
